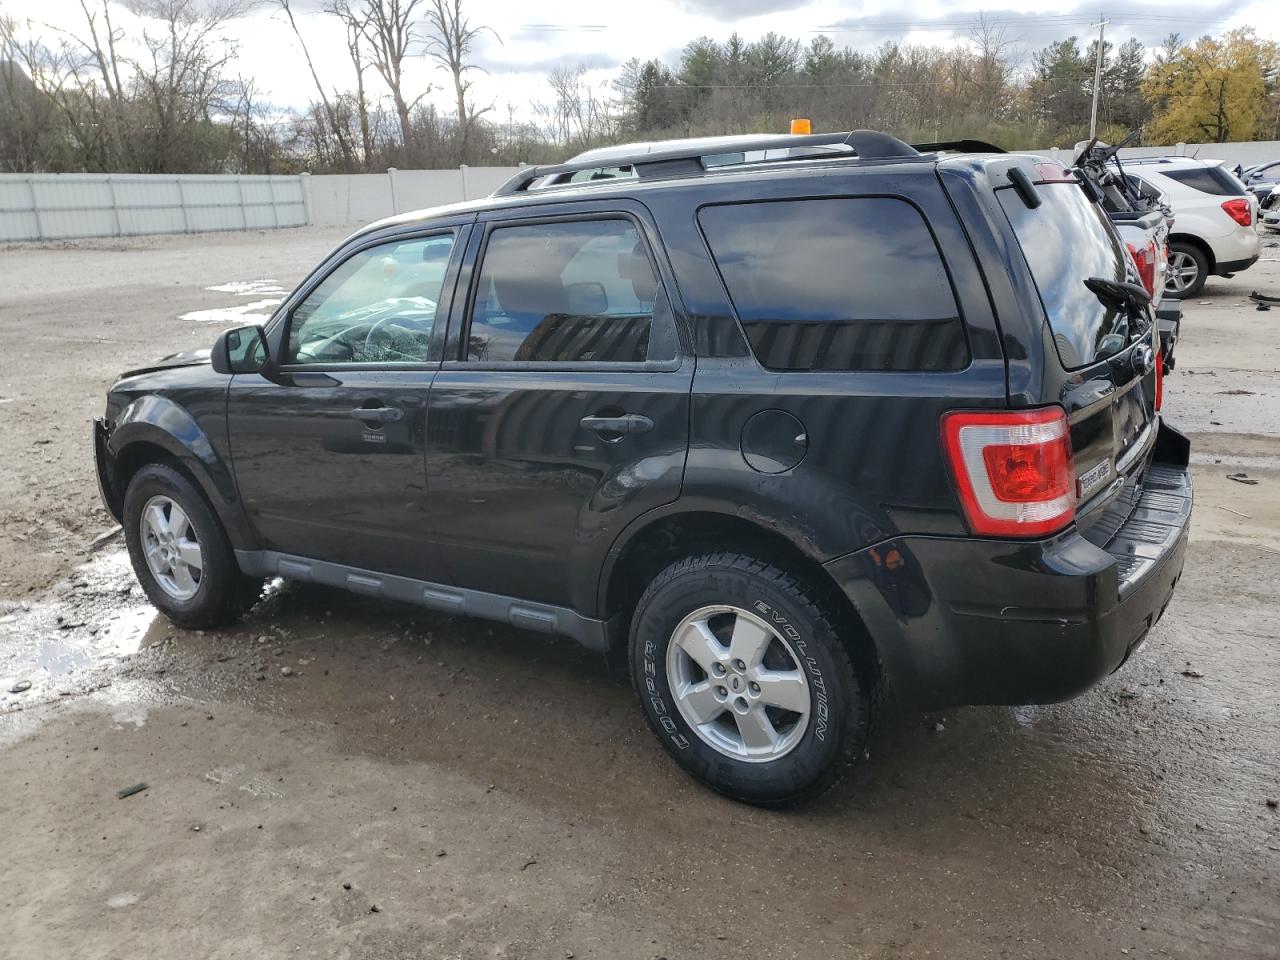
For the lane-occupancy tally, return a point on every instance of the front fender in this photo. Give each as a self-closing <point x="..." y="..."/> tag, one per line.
<point x="160" y="422"/>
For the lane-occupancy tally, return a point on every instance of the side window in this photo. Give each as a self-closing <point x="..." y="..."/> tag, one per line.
<point x="570" y="291"/>
<point x="378" y="306"/>
<point x="1212" y="180"/>
<point x="837" y="284"/>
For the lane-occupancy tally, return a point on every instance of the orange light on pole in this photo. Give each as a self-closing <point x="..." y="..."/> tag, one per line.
<point x="801" y="125"/>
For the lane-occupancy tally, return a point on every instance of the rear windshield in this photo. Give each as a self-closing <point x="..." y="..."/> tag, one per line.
<point x="1065" y="241"/>
<point x="837" y="284"/>
<point x="1212" y="180"/>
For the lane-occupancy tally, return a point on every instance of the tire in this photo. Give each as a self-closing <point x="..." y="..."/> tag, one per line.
<point x="214" y="592"/>
<point x="1186" y="257"/>
<point x="734" y="595"/>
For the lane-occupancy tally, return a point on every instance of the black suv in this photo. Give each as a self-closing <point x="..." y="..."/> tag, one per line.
<point x="776" y="432"/>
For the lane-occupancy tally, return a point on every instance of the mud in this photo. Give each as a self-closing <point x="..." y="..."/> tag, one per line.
<point x="495" y="793"/>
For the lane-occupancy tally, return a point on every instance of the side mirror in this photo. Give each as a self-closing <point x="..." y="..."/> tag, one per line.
<point x="240" y="350"/>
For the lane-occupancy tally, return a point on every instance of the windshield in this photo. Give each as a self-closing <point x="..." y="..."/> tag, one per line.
<point x="1065" y="241"/>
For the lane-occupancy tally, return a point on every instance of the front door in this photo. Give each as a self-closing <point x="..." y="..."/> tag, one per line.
<point x="564" y="413"/>
<point x="328" y="452"/>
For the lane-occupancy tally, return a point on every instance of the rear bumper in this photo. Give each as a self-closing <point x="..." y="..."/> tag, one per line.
<point x="969" y="621"/>
<point x="1235" y="266"/>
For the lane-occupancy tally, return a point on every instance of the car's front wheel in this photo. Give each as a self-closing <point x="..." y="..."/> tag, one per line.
<point x="745" y="679"/>
<point x="179" y="552"/>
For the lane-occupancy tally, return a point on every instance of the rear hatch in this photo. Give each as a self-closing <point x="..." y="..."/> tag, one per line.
<point x="1106" y="356"/>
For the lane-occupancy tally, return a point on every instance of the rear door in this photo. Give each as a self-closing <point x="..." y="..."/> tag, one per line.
<point x="1106" y="357"/>
<point x="561" y="411"/>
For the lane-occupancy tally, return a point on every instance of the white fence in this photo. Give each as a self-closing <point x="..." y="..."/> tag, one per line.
<point x="46" y="206"/>
<point x="55" y="206"/>
<point x="359" y="198"/>
<point x="58" y="206"/>
<point x="1245" y="154"/>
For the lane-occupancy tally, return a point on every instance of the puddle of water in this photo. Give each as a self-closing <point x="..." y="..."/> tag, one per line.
<point x="268" y="292"/>
<point x="249" y="288"/>
<point x="93" y="617"/>
<point x="240" y="313"/>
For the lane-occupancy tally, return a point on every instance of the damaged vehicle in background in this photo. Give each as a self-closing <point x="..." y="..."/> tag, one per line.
<point x="1144" y="222"/>
<point x="1270" y="209"/>
<point x="1261" y="179"/>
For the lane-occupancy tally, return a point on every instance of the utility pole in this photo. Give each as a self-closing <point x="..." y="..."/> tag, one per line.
<point x="1097" y="76"/>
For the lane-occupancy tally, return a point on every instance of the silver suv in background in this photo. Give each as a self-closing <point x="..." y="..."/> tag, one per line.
<point x="1214" y="216"/>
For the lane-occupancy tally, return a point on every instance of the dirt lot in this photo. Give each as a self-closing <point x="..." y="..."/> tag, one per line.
<point x="420" y="786"/>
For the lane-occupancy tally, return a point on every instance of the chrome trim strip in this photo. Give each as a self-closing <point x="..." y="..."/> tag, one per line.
<point x="1137" y="448"/>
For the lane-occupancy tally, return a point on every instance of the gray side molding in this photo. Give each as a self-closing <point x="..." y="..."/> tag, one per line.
<point x="524" y="614"/>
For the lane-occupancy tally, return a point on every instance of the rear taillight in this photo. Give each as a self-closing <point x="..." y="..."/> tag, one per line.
<point x="1013" y="469"/>
<point x="1145" y="260"/>
<point x="1239" y="211"/>
<point x="1159" y="380"/>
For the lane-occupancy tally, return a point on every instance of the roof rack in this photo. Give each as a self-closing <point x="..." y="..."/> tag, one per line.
<point x="959" y="146"/>
<point x="687" y="161"/>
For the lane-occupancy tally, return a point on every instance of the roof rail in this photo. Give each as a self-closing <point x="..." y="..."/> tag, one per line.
<point x="687" y="161"/>
<point x="959" y="146"/>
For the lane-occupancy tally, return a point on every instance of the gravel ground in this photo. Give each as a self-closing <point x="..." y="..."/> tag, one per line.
<point x="344" y="778"/>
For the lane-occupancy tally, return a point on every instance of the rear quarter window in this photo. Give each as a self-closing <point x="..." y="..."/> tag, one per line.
<point x="837" y="284"/>
<point x="1213" y="180"/>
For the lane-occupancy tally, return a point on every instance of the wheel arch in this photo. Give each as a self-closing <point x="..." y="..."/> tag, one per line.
<point x="1192" y="240"/>
<point x="652" y="546"/>
<point x="155" y="429"/>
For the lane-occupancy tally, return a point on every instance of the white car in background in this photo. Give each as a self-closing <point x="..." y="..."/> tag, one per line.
<point x="1213" y="219"/>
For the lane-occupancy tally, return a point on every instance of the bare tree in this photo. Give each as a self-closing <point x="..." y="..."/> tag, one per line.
<point x="326" y="104"/>
<point x="992" y="67"/>
<point x="355" y="23"/>
<point x="450" y="46"/>
<point x="576" y="116"/>
<point x="389" y="28"/>
<point x="180" y="84"/>
<point x="87" y="67"/>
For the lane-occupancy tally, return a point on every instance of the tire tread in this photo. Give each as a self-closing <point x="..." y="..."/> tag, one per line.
<point x="863" y="709"/>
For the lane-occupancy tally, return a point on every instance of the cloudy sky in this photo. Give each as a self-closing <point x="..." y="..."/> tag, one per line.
<point x="532" y="38"/>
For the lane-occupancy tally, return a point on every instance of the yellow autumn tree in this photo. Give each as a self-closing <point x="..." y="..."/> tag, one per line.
<point x="1211" y="91"/>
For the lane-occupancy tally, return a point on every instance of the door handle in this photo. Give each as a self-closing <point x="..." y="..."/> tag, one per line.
<point x="377" y="414"/>
<point x="627" y="423"/>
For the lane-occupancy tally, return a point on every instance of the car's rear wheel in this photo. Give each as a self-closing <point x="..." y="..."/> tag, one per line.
<point x="1188" y="270"/>
<point x="180" y="553"/>
<point x="745" y="679"/>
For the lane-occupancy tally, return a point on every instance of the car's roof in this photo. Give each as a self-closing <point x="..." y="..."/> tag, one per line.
<point x="799" y="162"/>
<point x="604" y="154"/>
<point x="1171" y="163"/>
<point x="713" y="179"/>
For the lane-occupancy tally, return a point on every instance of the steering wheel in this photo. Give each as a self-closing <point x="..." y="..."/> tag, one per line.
<point x="368" y="339"/>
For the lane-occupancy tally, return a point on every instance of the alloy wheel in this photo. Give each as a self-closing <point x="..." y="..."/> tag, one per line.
<point x="738" y="683"/>
<point x="1183" y="271"/>
<point x="171" y="548"/>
